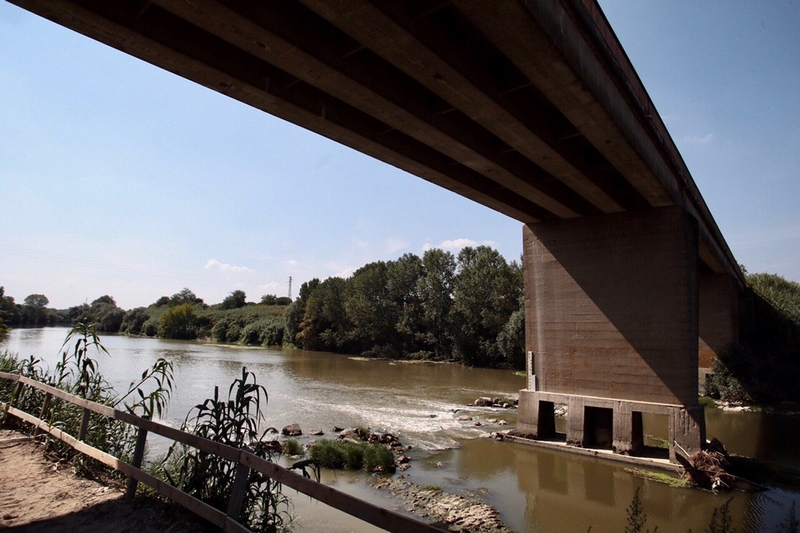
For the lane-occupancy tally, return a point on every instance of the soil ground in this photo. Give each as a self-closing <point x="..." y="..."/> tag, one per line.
<point x="37" y="495"/>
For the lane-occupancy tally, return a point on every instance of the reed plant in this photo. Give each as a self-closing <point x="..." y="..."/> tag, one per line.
<point x="78" y="373"/>
<point x="233" y="421"/>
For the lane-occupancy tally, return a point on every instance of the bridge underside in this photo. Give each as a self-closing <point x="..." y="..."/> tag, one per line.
<point x="530" y="108"/>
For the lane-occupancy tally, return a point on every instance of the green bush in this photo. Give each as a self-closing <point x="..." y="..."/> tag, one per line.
<point x="179" y="322"/>
<point x="253" y="333"/>
<point x="293" y="447"/>
<point x="150" y="328"/>
<point x="339" y="454"/>
<point x="134" y="321"/>
<point x="723" y="384"/>
<point x="219" y="332"/>
<point x="234" y="333"/>
<point x="4" y="330"/>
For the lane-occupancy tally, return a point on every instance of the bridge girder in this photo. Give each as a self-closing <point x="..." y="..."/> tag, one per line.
<point x="529" y="108"/>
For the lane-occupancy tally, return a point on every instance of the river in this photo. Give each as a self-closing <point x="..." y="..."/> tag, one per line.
<point x="534" y="490"/>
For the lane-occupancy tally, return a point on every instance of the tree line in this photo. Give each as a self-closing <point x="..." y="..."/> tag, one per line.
<point x="467" y="308"/>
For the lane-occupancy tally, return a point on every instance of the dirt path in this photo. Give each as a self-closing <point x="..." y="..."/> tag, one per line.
<point x="37" y="496"/>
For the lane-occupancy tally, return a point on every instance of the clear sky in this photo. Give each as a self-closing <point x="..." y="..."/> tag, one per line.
<point x="119" y="178"/>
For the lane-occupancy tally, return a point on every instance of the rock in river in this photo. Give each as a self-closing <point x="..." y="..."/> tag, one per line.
<point x="292" y="430"/>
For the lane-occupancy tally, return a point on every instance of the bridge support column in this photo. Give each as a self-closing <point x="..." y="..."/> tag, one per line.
<point x="628" y="429"/>
<point x="687" y="428"/>
<point x="612" y="317"/>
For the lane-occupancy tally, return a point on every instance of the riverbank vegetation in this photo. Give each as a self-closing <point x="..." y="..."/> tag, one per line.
<point x="467" y="308"/>
<point x="77" y="372"/>
<point x="766" y="366"/>
<point x="341" y="454"/>
<point x="233" y="421"/>
<point x="441" y="307"/>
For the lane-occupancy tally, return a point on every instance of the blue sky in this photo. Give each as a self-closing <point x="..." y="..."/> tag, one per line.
<point x="119" y="178"/>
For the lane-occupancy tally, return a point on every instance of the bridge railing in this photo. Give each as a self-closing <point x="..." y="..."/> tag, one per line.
<point x="245" y="461"/>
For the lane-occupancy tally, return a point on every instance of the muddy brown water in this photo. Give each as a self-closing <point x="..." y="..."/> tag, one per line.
<point x="535" y="490"/>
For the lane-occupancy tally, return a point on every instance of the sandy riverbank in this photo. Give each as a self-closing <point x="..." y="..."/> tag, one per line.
<point x="37" y="495"/>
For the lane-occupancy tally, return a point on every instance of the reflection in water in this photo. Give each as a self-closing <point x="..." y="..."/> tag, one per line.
<point x="534" y="489"/>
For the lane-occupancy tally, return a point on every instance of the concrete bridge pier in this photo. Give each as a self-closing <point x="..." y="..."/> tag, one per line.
<point x="613" y="327"/>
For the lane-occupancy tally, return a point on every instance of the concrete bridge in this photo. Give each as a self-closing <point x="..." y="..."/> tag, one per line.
<point x="531" y="108"/>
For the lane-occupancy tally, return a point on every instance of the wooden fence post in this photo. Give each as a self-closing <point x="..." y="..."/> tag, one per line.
<point x="138" y="455"/>
<point x="84" y="424"/>
<point x="238" y="491"/>
<point x="43" y="411"/>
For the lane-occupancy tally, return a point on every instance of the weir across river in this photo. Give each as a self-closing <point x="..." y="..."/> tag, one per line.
<point x="530" y="108"/>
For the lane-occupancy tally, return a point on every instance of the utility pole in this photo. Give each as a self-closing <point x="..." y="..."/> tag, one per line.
<point x="290" y="288"/>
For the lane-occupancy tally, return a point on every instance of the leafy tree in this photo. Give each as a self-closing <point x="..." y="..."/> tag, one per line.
<point x="36" y="300"/>
<point x="295" y="312"/>
<point x="283" y="300"/>
<point x="325" y="325"/>
<point x="268" y="299"/>
<point x="486" y="293"/>
<point x="164" y="300"/>
<point x="106" y="299"/>
<point x="179" y="322"/>
<point x="185" y="296"/>
<point x="7" y="306"/>
<point x="4" y="330"/>
<point x="435" y="289"/>
<point x="134" y="320"/>
<point x="402" y="283"/>
<point x="234" y="300"/>
<point x="511" y="340"/>
<point x="78" y="313"/>
<point x="104" y="313"/>
<point x="370" y="308"/>
<point x="6" y="302"/>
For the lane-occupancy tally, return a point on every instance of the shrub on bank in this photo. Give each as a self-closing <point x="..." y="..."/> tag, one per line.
<point x="352" y="455"/>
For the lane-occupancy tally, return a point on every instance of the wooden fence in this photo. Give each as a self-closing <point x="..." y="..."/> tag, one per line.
<point x="245" y="460"/>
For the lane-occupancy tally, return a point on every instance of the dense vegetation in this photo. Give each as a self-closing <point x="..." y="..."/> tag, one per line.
<point x="765" y="368"/>
<point x="467" y="308"/>
<point x="232" y="421"/>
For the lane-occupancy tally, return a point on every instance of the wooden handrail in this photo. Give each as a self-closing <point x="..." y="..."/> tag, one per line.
<point x="368" y="512"/>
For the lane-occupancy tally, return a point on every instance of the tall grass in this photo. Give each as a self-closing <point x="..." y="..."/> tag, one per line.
<point x="77" y="372"/>
<point x="352" y="455"/>
<point x="233" y="421"/>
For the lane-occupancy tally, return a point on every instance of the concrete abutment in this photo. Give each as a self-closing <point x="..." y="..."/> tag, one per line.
<point x="614" y="327"/>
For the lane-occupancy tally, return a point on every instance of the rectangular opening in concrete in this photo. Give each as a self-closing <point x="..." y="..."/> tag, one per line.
<point x="598" y="426"/>
<point x="547" y="420"/>
<point x="655" y="432"/>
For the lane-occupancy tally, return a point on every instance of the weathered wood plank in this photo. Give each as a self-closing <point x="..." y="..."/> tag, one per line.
<point x="204" y="510"/>
<point x="378" y="516"/>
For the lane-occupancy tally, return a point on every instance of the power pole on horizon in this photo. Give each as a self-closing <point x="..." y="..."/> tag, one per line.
<point x="290" y="288"/>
